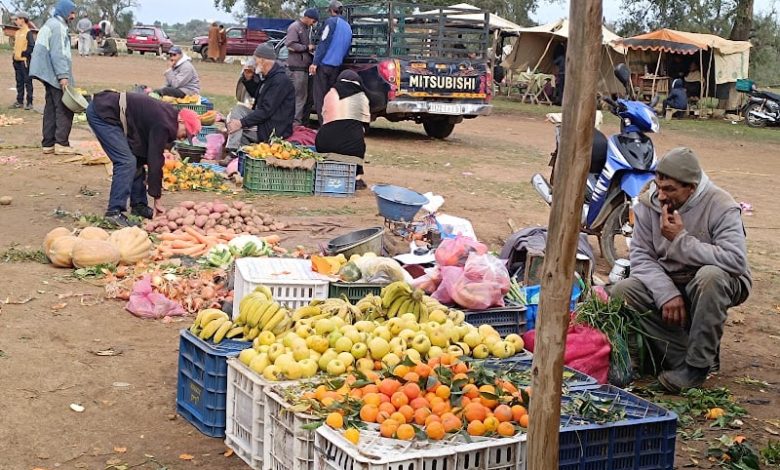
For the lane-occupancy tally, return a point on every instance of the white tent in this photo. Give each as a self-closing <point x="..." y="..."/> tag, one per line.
<point x="534" y="48"/>
<point x="495" y="21"/>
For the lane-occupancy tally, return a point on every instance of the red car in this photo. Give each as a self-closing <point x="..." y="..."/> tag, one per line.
<point x="148" y="39"/>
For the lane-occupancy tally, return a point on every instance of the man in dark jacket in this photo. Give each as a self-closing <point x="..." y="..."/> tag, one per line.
<point x="134" y="130"/>
<point x="678" y="97"/>
<point x="274" y="108"/>
<point x="335" y="42"/>
<point x="301" y="48"/>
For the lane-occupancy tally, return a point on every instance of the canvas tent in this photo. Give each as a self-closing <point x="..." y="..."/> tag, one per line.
<point x="496" y="22"/>
<point x="534" y="47"/>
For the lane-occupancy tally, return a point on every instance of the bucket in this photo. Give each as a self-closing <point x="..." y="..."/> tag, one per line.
<point x="397" y="203"/>
<point x="73" y="100"/>
<point x="358" y="243"/>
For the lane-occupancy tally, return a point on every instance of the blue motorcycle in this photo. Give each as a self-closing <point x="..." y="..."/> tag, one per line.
<point x="621" y="166"/>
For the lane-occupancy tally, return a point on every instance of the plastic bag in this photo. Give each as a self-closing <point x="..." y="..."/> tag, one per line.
<point x="214" y="143"/>
<point x="381" y="270"/>
<point x="483" y="284"/>
<point x="429" y="281"/>
<point x="145" y="303"/>
<point x="449" y="276"/>
<point x="587" y="350"/>
<point x="455" y="251"/>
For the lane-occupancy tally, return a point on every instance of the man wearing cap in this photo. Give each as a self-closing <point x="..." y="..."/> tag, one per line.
<point x="51" y="63"/>
<point x="24" y="42"/>
<point x="274" y="107"/>
<point x="688" y="267"/>
<point x="134" y="130"/>
<point x="335" y="41"/>
<point x="181" y="79"/>
<point x="301" y="48"/>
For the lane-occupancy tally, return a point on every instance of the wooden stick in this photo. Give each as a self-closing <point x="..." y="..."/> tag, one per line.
<point x="583" y="61"/>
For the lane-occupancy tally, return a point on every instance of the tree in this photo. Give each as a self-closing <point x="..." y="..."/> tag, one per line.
<point x="743" y="21"/>
<point x="113" y="8"/>
<point x="700" y="16"/>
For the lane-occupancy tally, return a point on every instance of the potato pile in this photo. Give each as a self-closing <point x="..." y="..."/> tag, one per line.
<point x="236" y="217"/>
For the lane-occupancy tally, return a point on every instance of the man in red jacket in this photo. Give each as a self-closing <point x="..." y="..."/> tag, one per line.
<point x="134" y="130"/>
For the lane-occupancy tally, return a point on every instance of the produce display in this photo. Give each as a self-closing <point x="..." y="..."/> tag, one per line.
<point x="215" y="325"/>
<point x="195" y="243"/>
<point x="95" y="247"/>
<point x="260" y="315"/>
<point x="367" y="267"/>
<point x="278" y="148"/>
<point x="189" y="99"/>
<point x="182" y="176"/>
<point x="242" y="246"/>
<point x="215" y="217"/>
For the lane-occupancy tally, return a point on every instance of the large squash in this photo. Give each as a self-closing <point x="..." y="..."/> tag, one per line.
<point x="93" y="233"/>
<point x="60" y="251"/>
<point x="133" y="244"/>
<point x="88" y="253"/>
<point x="53" y="235"/>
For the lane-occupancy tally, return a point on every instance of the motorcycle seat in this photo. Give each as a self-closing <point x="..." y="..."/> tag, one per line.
<point x="768" y="95"/>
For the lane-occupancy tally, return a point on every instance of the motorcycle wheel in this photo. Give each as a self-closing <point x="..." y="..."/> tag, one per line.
<point x="754" y="121"/>
<point x="613" y="242"/>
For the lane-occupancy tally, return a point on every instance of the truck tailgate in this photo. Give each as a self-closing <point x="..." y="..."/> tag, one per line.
<point x="444" y="80"/>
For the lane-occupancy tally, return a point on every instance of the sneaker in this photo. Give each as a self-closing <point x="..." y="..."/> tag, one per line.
<point x="18" y="106"/>
<point x="48" y="150"/>
<point x="119" y="219"/>
<point x="142" y="210"/>
<point x="65" y="150"/>
<point x="28" y="107"/>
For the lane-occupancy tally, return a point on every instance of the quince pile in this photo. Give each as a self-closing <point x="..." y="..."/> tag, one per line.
<point x="280" y="149"/>
<point x="180" y="176"/>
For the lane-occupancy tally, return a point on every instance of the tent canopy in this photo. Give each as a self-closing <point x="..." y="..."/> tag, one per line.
<point x="496" y="22"/>
<point x="560" y="29"/>
<point x="681" y="42"/>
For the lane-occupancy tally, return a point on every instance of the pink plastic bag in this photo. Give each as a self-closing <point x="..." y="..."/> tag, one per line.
<point x="455" y="251"/>
<point x="483" y="284"/>
<point x="587" y="350"/>
<point x="214" y="143"/>
<point x="429" y="281"/>
<point x="232" y="166"/>
<point x="449" y="276"/>
<point x="145" y="303"/>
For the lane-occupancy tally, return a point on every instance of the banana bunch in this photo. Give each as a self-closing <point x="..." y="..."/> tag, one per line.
<point x="370" y="307"/>
<point x="308" y="315"/>
<point x="215" y="325"/>
<point x="338" y="308"/>
<point x="399" y="298"/>
<point x="457" y="316"/>
<point x="258" y="312"/>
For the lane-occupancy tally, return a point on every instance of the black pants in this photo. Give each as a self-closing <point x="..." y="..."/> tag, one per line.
<point x="170" y="91"/>
<point x="324" y="79"/>
<point x="345" y="137"/>
<point x="57" y="119"/>
<point x="23" y="81"/>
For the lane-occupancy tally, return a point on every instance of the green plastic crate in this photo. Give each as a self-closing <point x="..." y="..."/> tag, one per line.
<point x="198" y="108"/>
<point x="259" y="177"/>
<point x="353" y="290"/>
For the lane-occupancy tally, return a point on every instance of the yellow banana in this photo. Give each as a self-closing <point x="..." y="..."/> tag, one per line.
<point x="235" y="331"/>
<point x="211" y="314"/>
<point x="257" y="314"/>
<point x="265" y="290"/>
<point x="222" y="331"/>
<point x="253" y="333"/>
<point x="275" y="320"/>
<point x="268" y="314"/>
<point x="283" y="326"/>
<point x="306" y="312"/>
<point x="211" y="328"/>
<point x="392" y="310"/>
<point x="422" y="317"/>
<point x="390" y="293"/>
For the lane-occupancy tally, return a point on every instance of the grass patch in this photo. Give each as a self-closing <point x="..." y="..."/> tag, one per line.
<point x="16" y="254"/>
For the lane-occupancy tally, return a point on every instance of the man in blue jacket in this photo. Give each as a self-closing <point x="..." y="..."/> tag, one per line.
<point x="51" y="63"/>
<point x="334" y="45"/>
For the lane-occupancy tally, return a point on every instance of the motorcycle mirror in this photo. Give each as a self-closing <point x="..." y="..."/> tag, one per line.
<point x="623" y="74"/>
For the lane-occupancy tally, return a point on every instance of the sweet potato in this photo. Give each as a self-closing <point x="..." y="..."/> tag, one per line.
<point x="188" y="204"/>
<point x="173" y="225"/>
<point x="215" y="216"/>
<point x="203" y="211"/>
<point x="200" y="221"/>
<point x="239" y="205"/>
<point x="189" y="220"/>
<point x="219" y="207"/>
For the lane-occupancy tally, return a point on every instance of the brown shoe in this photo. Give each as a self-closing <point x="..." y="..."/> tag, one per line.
<point x="48" y="150"/>
<point x="63" y="150"/>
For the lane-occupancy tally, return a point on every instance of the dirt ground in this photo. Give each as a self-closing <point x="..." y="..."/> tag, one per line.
<point x="47" y="349"/>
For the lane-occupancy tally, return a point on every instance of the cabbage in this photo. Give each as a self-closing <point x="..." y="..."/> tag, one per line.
<point x="249" y="246"/>
<point x="219" y="256"/>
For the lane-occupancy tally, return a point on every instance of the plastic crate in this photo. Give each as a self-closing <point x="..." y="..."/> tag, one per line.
<point x="201" y="395"/>
<point x="531" y="309"/>
<point x="207" y="130"/>
<point x="572" y="379"/>
<point x="335" y="179"/>
<point x="644" y="439"/>
<point x="744" y="85"/>
<point x="354" y="291"/>
<point x="374" y="452"/>
<point x="259" y="177"/>
<point x="246" y="413"/>
<point x="506" y="320"/>
<point x="198" y="108"/>
<point x="291" y="281"/>
<point x="289" y="445"/>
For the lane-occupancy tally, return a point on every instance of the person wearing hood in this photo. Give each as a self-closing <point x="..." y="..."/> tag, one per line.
<point x="688" y="267"/>
<point x="274" y="108"/>
<point x="51" y="63"/>
<point x="181" y="79"/>
<point x="678" y="97"/>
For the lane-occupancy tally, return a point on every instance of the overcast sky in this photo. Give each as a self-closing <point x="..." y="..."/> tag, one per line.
<point x="181" y="11"/>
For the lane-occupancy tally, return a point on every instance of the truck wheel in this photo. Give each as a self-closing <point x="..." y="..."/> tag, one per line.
<point x="438" y="128"/>
<point x="204" y="53"/>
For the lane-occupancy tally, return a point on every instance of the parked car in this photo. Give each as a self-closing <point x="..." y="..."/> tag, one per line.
<point x="148" y="39"/>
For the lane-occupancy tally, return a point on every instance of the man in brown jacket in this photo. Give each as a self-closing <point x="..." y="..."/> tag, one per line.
<point x="213" y="47"/>
<point x="688" y="267"/>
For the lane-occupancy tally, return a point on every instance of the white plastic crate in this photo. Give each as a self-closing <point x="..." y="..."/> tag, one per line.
<point x="291" y="281"/>
<point x="246" y="414"/>
<point x="289" y="445"/>
<point x="373" y="452"/>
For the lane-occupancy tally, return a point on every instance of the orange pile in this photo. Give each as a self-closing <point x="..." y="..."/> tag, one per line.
<point x="429" y="399"/>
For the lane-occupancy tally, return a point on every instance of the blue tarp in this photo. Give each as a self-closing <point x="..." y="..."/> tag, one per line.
<point x="257" y="23"/>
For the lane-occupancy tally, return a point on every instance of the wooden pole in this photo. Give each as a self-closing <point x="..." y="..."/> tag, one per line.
<point x="655" y="75"/>
<point x="579" y="111"/>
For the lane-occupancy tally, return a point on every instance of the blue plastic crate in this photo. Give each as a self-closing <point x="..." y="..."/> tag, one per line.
<point x="202" y="383"/>
<point x="643" y="440"/>
<point x="207" y="130"/>
<point x="335" y="179"/>
<point x="506" y="320"/>
<point x="572" y="379"/>
<point x="532" y="308"/>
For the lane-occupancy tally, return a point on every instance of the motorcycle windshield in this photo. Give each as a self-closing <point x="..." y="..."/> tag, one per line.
<point x="636" y="150"/>
<point x="632" y="183"/>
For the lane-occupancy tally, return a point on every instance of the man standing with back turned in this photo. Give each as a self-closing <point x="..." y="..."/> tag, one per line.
<point x="301" y="48"/>
<point x="334" y="45"/>
<point x="688" y="267"/>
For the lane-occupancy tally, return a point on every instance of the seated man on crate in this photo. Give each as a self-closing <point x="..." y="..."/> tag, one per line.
<point x="273" y="110"/>
<point x="688" y="267"/>
<point x="181" y="79"/>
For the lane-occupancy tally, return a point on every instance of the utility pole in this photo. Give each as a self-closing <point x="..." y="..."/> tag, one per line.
<point x="583" y="59"/>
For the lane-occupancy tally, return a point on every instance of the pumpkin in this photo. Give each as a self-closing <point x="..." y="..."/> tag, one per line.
<point x="93" y="233"/>
<point x="133" y="244"/>
<point x="87" y="253"/>
<point x="60" y="251"/>
<point x="53" y="235"/>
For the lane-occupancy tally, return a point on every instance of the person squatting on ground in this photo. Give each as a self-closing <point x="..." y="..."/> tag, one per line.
<point x="51" y="63"/>
<point x="688" y="267"/>
<point x="134" y="130"/>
